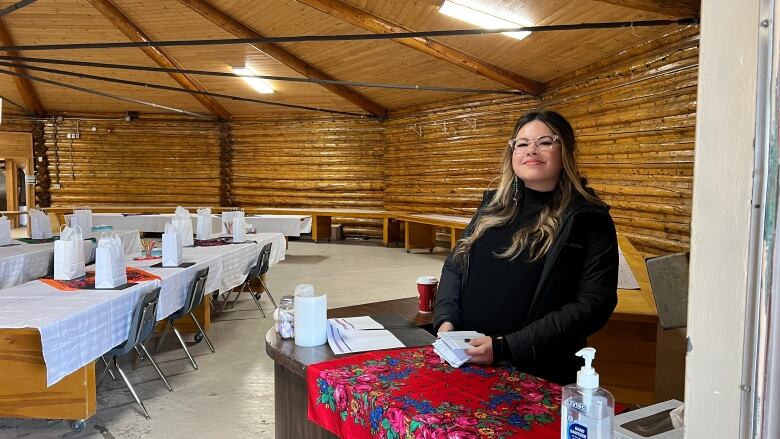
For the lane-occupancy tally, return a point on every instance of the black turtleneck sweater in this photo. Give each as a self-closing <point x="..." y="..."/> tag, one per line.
<point x="499" y="292"/>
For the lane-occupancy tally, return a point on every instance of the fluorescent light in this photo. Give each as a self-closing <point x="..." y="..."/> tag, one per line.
<point x="481" y="19"/>
<point x="259" y="84"/>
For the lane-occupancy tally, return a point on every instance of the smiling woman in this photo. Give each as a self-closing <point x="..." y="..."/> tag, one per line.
<point x="536" y="269"/>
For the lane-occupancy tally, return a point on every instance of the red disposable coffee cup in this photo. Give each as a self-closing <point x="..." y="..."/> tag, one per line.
<point x="426" y="287"/>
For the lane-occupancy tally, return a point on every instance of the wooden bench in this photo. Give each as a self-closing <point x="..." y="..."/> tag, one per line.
<point x="420" y="229"/>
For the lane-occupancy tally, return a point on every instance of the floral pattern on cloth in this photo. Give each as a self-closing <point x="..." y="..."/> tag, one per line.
<point x="87" y="282"/>
<point x="411" y="393"/>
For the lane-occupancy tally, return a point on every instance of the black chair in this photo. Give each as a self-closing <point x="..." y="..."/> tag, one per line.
<point x="141" y="329"/>
<point x="193" y="299"/>
<point x="256" y="272"/>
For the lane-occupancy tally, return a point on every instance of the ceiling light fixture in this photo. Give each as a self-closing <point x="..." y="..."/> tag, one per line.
<point x="481" y="18"/>
<point x="259" y="84"/>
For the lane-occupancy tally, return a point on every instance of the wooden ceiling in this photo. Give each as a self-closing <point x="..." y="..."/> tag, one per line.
<point x="535" y="59"/>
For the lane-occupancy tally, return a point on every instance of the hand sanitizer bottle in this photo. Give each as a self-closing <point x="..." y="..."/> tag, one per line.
<point x="587" y="410"/>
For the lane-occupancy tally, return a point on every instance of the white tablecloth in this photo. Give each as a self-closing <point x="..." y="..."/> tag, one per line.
<point x="25" y="262"/>
<point x="228" y="266"/>
<point x="78" y="326"/>
<point x="288" y="225"/>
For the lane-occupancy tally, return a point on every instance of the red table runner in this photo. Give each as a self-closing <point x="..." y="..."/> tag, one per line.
<point x="87" y="282"/>
<point x="411" y="393"/>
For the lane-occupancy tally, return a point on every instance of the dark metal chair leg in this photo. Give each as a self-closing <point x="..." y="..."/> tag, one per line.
<point x="132" y="390"/>
<point x="200" y="328"/>
<point x="162" y="336"/>
<point x="156" y="367"/>
<point x="184" y="346"/>
<point x="267" y="291"/>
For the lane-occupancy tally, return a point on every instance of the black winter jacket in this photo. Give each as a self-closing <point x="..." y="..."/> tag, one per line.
<point x="576" y="295"/>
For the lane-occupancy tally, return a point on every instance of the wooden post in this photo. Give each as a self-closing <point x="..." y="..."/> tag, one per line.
<point x="11" y="189"/>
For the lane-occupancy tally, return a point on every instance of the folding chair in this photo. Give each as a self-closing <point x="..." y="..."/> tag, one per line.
<point x="141" y="329"/>
<point x="257" y="271"/>
<point x="193" y="299"/>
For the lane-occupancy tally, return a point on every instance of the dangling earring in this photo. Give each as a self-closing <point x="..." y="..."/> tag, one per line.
<point x="515" y="190"/>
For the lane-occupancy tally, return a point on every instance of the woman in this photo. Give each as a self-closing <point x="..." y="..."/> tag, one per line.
<point x="536" y="268"/>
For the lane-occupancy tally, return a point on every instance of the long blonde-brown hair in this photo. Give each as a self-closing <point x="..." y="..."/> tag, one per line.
<point x="538" y="236"/>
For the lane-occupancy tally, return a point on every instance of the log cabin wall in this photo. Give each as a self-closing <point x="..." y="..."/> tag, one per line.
<point x="439" y="159"/>
<point x="312" y="162"/>
<point x="634" y="115"/>
<point x="143" y="162"/>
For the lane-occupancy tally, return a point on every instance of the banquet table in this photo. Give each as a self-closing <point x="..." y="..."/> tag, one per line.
<point x="25" y="262"/>
<point x="288" y="225"/>
<point x="50" y="337"/>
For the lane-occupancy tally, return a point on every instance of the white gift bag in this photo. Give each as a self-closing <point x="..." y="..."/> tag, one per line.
<point x="204" y="223"/>
<point x="5" y="231"/>
<point x="183" y="224"/>
<point x="239" y="228"/>
<point x="69" y="255"/>
<point x="82" y="218"/>
<point x="40" y="225"/>
<point x="227" y="218"/>
<point x="110" y="262"/>
<point x="171" y="247"/>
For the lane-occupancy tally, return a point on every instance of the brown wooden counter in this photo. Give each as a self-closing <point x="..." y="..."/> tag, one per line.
<point x="291" y="361"/>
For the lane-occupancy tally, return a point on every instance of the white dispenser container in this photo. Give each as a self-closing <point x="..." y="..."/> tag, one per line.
<point x="587" y="410"/>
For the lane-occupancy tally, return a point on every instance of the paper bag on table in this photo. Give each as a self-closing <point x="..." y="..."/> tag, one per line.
<point x="39" y="224"/>
<point x="69" y="255"/>
<point x="110" y="262"/>
<point x="82" y="218"/>
<point x="183" y="224"/>
<point x="171" y="247"/>
<point x="204" y="223"/>
<point x="239" y="229"/>
<point x="5" y="231"/>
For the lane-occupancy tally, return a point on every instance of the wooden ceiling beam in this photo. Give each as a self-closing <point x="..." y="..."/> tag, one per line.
<point x="376" y="24"/>
<point x="134" y="33"/>
<point x="674" y="8"/>
<point x="279" y="53"/>
<point x="24" y="85"/>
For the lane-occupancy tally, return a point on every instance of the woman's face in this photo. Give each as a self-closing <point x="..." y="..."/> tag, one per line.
<point x="537" y="166"/>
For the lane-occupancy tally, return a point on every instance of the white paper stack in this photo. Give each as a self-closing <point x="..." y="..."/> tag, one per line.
<point x="451" y="346"/>
<point x="359" y="334"/>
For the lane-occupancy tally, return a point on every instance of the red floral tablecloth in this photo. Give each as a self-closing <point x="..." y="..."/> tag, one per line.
<point x="410" y="393"/>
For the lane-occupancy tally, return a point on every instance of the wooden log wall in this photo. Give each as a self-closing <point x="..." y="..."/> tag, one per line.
<point x="634" y="115"/>
<point x="143" y="162"/>
<point x="325" y="163"/>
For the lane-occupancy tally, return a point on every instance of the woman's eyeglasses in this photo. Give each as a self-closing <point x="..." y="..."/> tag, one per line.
<point x="544" y="143"/>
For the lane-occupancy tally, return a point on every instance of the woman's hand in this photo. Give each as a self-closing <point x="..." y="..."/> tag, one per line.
<point x="481" y="351"/>
<point x="446" y="327"/>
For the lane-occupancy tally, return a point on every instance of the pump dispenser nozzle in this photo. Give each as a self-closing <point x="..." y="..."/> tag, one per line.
<point x="587" y="378"/>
